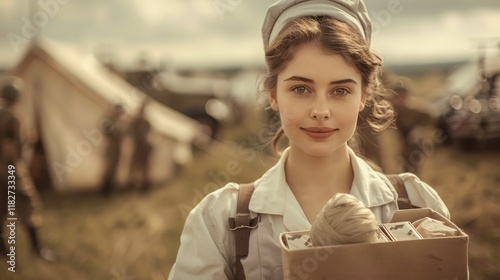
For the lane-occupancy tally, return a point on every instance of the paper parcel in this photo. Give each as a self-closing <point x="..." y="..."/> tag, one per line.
<point x="429" y="258"/>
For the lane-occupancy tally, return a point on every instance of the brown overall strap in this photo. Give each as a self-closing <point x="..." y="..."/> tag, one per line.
<point x="403" y="198"/>
<point x="241" y="224"/>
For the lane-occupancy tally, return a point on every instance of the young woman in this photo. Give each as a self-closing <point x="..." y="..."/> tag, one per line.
<point x="321" y="74"/>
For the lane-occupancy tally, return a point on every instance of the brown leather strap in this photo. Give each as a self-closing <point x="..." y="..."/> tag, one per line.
<point x="241" y="224"/>
<point x="403" y="198"/>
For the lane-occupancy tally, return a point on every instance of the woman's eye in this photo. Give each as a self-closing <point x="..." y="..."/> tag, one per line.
<point x="340" y="91"/>
<point x="300" y="90"/>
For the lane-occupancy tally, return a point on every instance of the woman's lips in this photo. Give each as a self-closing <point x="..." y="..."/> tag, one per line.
<point x="319" y="132"/>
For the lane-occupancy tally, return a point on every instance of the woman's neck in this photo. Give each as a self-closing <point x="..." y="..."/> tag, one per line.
<point x="325" y="175"/>
<point x="314" y="180"/>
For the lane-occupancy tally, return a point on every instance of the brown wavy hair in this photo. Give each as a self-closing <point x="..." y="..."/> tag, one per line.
<point x="335" y="37"/>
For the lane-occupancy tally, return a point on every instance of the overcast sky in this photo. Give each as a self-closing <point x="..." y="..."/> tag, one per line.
<point x="201" y="32"/>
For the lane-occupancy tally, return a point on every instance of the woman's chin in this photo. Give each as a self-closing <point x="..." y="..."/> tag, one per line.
<point x="323" y="149"/>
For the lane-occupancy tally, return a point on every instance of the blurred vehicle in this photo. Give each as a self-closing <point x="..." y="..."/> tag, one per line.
<point x="468" y="108"/>
<point x="205" y="99"/>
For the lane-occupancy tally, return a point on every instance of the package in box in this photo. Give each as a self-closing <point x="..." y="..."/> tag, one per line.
<point x="401" y="231"/>
<point x="429" y="258"/>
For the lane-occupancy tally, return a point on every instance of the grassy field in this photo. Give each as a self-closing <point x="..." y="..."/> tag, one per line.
<point x="134" y="236"/>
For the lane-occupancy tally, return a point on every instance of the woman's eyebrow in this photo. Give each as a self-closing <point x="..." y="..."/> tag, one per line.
<point x="306" y="80"/>
<point x="343" y="81"/>
<point x="299" y="78"/>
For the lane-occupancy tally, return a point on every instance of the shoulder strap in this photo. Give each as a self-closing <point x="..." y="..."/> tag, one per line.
<point x="241" y="224"/>
<point x="403" y="198"/>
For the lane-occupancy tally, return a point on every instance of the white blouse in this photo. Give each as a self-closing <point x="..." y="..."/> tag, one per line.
<point x="207" y="245"/>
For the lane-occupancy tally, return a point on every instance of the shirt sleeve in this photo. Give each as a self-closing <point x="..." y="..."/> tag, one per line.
<point x="205" y="251"/>
<point x="423" y="195"/>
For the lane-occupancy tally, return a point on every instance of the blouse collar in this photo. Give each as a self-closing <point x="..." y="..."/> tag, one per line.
<point x="273" y="196"/>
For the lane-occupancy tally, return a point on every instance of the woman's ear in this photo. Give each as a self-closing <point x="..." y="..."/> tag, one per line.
<point x="273" y="101"/>
<point x="363" y="102"/>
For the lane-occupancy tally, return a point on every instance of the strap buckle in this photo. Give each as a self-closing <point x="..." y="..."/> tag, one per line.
<point x="242" y="220"/>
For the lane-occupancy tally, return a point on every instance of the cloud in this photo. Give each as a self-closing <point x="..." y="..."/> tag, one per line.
<point x="200" y="53"/>
<point x="191" y="30"/>
<point x="10" y="13"/>
<point x="445" y="36"/>
<point x="9" y="9"/>
<point x="188" y="15"/>
<point x="156" y="12"/>
<point x="430" y="7"/>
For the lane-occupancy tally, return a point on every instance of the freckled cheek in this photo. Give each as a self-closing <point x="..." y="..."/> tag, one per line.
<point x="291" y="114"/>
<point x="348" y="120"/>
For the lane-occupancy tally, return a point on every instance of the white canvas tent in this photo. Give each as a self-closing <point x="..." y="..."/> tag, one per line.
<point x="67" y="98"/>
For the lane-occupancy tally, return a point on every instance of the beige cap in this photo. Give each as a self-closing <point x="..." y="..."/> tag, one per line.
<point x="352" y="12"/>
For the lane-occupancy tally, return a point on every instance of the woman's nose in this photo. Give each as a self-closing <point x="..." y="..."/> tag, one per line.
<point x="320" y="110"/>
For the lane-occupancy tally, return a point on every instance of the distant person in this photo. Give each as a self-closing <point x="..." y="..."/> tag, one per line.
<point x="27" y="200"/>
<point x="114" y="133"/>
<point x="366" y="141"/>
<point x="139" y="167"/>
<point x="411" y="125"/>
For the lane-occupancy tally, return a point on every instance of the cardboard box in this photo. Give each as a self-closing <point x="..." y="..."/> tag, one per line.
<point x="431" y="258"/>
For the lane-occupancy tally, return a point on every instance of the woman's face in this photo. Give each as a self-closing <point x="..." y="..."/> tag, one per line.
<point x="318" y="96"/>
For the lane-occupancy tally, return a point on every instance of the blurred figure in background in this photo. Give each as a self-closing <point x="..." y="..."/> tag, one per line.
<point x="114" y="134"/>
<point x="412" y="124"/>
<point x="402" y="149"/>
<point x="366" y="141"/>
<point x="18" y="180"/>
<point x="140" y="128"/>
